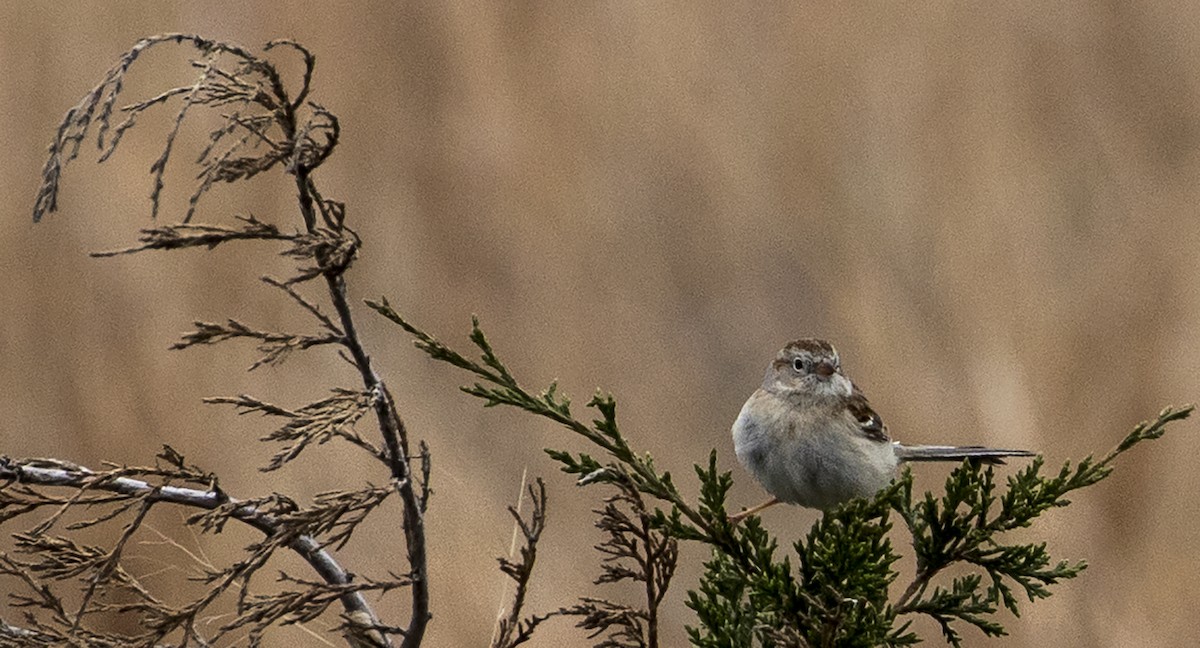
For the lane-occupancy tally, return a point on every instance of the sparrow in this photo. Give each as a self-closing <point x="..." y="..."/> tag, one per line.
<point x="810" y="437"/>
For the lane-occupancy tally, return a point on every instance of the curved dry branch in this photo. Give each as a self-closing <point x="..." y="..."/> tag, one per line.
<point x="231" y="77"/>
<point x="363" y="627"/>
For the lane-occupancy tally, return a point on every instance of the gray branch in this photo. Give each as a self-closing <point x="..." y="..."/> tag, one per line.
<point x="355" y="604"/>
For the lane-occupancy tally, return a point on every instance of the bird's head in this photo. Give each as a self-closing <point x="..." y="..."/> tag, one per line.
<point x="808" y="369"/>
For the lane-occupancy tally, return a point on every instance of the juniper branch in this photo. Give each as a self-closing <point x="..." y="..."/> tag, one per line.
<point x="963" y="525"/>
<point x="840" y="595"/>
<point x="499" y="387"/>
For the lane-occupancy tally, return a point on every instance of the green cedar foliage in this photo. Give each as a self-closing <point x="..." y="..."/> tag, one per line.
<point x="835" y="587"/>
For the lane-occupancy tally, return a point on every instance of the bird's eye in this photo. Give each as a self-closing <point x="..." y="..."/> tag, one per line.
<point x="798" y="365"/>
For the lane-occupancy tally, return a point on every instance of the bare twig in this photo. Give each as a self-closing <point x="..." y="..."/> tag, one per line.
<point x="318" y="422"/>
<point x="312" y="308"/>
<point x="634" y="550"/>
<point x="274" y="347"/>
<point x="513" y="630"/>
<point x="395" y="436"/>
<point x="183" y="235"/>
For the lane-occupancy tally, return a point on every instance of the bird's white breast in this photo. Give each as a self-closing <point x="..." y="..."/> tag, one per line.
<point x="809" y="455"/>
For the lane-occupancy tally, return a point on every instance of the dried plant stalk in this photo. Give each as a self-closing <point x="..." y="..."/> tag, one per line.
<point x="265" y="126"/>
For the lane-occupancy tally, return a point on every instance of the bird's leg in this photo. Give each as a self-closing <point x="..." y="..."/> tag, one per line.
<point x="738" y="517"/>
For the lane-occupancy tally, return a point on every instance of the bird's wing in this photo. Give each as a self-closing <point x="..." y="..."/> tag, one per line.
<point x="869" y="422"/>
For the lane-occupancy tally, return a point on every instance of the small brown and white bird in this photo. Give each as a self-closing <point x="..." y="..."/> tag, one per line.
<point x="810" y="437"/>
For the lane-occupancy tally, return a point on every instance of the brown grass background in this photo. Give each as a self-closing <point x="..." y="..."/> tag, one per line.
<point x="990" y="209"/>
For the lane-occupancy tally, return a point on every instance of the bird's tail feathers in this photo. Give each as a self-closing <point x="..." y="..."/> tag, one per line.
<point x="956" y="453"/>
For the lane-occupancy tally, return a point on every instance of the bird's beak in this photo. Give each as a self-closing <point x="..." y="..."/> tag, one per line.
<point x="825" y="369"/>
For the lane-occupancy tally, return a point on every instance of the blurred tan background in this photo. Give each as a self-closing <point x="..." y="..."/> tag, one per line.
<point x="991" y="210"/>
